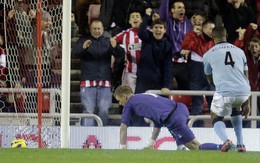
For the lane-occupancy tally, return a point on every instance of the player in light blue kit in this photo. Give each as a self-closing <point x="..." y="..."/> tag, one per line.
<point x="226" y="67"/>
<point x="163" y="112"/>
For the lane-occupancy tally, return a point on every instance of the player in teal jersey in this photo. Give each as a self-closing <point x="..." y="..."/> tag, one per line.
<point x="226" y="67"/>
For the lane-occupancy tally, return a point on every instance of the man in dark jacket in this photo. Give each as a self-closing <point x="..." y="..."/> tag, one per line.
<point x="155" y="66"/>
<point x="95" y="52"/>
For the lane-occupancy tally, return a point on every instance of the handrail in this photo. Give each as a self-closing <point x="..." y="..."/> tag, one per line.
<point x="83" y="115"/>
<point x="51" y="91"/>
<point x="183" y="92"/>
<point x="52" y="113"/>
<point x="29" y="90"/>
<point x="193" y="118"/>
<point x="254" y="95"/>
<point x="48" y="115"/>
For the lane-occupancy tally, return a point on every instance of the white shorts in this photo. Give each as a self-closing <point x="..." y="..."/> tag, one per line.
<point x="129" y="79"/>
<point x="222" y="106"/>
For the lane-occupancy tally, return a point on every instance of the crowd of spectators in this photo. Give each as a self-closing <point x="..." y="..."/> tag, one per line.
<point x="189" y="28"/>
<point x="188" y="23"/>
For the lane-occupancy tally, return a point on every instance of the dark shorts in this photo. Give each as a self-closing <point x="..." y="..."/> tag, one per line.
<point x="177" y="125"/>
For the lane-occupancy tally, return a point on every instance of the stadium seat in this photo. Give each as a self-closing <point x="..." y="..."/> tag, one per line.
<point x="186" y="99"/>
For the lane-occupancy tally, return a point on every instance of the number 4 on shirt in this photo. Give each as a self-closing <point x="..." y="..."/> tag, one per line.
<point x="228" y="59"/>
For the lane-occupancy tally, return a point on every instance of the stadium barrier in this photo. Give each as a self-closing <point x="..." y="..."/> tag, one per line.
<point x="192" y="119"/>
<point x="254" y="95"/>
<point x="31" y="118"/>
<point x="94" y="116"/>
<point x="52" y="92"/>
<point x="109" y="137"/>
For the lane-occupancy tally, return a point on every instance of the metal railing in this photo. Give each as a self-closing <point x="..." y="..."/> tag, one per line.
<point x="51" y="91"/>
<point x="254" y="95"/>
<point x="253" y="118"/>
<point x="194" y="118"/>
<point x="94" y="116"/>
<point x="29" y="118"/>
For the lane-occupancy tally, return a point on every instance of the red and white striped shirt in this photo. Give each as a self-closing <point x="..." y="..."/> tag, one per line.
<point x="132" y="45"/>
<point x="94" y="83"/>
<point x="2" y="64"/>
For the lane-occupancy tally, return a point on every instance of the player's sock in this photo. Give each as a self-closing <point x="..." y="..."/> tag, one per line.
<point x="237" y="124"/>
<point x="219" y="128"/>
<point x="210" y="146"/>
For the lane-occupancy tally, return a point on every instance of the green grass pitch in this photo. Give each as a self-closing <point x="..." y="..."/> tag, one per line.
<point x="123" y="156"/>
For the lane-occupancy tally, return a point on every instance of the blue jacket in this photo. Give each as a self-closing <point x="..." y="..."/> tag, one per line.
<point x="95" y="61"/>
<point x="156" y="59"/>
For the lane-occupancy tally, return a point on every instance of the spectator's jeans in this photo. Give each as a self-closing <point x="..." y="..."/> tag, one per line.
<point x="198" y="81"/>
<point x="95" y="97"/>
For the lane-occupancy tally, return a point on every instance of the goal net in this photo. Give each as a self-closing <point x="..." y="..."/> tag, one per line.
<point x="30" y="74"/>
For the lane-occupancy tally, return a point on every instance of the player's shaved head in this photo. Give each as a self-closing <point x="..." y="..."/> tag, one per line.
<point x="219" y="32"/>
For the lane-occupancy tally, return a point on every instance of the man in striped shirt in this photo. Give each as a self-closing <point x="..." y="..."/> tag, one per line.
<point x="132" y="45"/>
<point x="2" y="58"/>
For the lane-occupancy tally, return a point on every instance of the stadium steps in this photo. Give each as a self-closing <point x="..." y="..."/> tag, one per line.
<point x="74" y="85"/>
<point x="75" y="63"/>
<point x="75" y="105"/>
<point x="74" y="41"/>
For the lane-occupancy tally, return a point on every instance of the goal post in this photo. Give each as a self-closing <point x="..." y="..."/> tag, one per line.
<point x="35" y="90"/>
<point x="39" y="69"/>
<point x="66" y="60"/>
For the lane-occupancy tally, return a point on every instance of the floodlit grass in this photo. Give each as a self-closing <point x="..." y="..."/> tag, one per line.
<point x="123" y="156"/>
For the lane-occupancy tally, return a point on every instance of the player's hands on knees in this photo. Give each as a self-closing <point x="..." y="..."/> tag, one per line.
<point x="150" y="144"/>
<point x="245" y="110"/>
